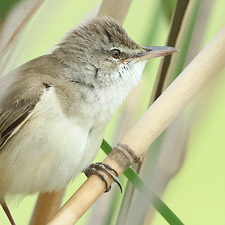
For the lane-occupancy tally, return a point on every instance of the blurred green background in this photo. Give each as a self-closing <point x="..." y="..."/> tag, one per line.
<point x="197" y="193"/>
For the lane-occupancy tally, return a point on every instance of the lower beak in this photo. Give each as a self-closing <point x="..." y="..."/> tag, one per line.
<point x="153" y="52"/>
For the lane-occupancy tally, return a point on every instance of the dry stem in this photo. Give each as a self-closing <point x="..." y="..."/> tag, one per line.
<point x="15" y="22"/>
<point x="115" y="8"/>
<point x="46" y="206"/>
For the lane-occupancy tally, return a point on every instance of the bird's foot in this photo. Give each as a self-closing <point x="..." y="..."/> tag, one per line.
<point x="93" y="170"/>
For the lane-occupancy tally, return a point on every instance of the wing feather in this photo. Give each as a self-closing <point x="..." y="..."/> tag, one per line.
<point x="18" y="99"/>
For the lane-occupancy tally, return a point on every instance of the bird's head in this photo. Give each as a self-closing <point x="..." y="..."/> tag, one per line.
<point x="107" y="54"/>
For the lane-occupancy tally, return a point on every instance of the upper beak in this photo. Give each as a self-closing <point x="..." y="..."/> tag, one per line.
<point x="153" y="52"/>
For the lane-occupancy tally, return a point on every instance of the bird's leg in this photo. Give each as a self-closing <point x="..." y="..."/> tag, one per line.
<point x="7" y="212"/>
<point x="93" y="170"/>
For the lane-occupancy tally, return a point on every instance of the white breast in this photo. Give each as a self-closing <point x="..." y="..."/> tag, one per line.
<point x="48" y="151"/>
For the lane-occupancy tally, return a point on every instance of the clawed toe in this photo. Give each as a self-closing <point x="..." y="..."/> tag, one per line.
<point x="112" y="173"/>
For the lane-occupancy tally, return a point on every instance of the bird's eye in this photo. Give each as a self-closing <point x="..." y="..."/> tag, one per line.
<point x="115" y="53"/>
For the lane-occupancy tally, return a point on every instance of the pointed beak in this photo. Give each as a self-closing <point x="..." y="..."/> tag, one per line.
<point x="153" y="52"/>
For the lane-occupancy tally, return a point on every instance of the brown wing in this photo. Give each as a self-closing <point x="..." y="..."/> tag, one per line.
<point x="18" y="98"/>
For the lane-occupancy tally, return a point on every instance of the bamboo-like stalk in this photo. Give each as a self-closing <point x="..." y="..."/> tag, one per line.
<point x="115" y="8"/>
<point x="174" y="150"/>
<point x="163" y="111"/>
<point x="46" y="206"/>
<point x="178" y="20"/>
<point x="135" y="213"/>
<point x="15" y="22"/>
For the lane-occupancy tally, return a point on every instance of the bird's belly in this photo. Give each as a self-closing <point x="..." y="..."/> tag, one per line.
<point x="46" y="154"/>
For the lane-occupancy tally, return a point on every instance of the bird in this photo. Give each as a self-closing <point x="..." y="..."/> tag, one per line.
<point x="54" y="109"/>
